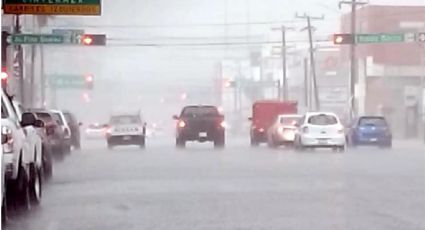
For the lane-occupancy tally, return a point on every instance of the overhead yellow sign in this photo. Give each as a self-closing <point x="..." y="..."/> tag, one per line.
<point x="50" y="7"/>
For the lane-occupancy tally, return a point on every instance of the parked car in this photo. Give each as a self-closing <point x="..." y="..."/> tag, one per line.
<point x="74" y="125"/>
<point x="283" y="130"/>
<point x="264" y="114"/>
<point x="200" y="123"/>
<point x="59" y="117"/>
<point x="126" y="129"/>
<point x="38" y="136"/>
<point x="21" y="158"/>
<point x="54" y="134"/>
<point x="370" y="130"/>
<point x="320" y="130"/>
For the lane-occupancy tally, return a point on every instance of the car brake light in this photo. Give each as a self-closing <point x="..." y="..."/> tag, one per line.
<point x="305" y="130"/>
<point x="182" y="124"/>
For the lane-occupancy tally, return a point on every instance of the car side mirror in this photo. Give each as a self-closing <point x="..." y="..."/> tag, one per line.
<point x="28" y="119"/>
<point x="3" y="139"/>
<point x="175" y="117"/>
<point x="39" y="124"/>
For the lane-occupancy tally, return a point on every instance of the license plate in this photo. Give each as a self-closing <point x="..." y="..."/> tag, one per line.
<point x="202" y="134"/>
<point x="373" y="139"/>
<point x="323" y="142"/>
<point x="126" y="138"/>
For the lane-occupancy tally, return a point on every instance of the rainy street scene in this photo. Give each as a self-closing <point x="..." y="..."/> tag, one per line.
<point x="213" y="115"/>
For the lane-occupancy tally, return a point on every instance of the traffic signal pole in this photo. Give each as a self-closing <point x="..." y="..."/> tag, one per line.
<point x="353" y="55"/>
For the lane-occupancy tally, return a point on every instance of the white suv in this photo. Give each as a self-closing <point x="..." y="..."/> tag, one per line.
<point x="21" y="159"/>
<point x="126" y="129"/>
<point x="320" y="130"/>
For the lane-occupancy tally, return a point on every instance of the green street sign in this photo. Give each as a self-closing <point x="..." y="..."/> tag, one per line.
<point x="52" y="7"/>
<point x="70" y="36"/>
<point x="18" y="39"/>
<point x="379" y="38"/>
<point x="67" y="81"/>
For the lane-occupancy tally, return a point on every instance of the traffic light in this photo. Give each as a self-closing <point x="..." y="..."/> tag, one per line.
<point x="89" y="79"/>
<point x="93" y="39"/>
<point x="343" y="39"/>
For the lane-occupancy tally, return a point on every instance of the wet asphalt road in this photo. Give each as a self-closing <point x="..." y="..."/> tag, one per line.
<point x="235" y="188"/>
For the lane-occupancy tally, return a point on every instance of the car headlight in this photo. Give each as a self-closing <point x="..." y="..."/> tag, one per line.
<point x="9" y="143"/>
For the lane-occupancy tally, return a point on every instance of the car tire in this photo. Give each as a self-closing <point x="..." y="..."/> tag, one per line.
<point x="180" y="143"/>
<point x="67" y="149"/>
<point x="35" y="185"/>
<point x="219" y="142"/>
<point x="110" y="146"/>
<point x="254" y="143"/>
<point x="19" y="195"/>
<point x="77" y="145"/>
<point x="47" y="163"/>
<point x="143" y="143"/>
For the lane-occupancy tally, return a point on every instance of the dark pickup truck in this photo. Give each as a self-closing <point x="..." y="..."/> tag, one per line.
<point x="200" y="123"/>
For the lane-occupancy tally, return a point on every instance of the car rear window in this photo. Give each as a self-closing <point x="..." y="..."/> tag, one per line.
<point x="44" y="117"/>
<point x="372" y="121"/>
<point x="58" y="118"/>
<point x="323" y="119"/>
<point x="200" y="111"/>
<point x="69" y="118"/>
<point x="122" y="120"/>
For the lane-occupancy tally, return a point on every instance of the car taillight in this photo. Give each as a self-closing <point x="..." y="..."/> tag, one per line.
<point x="305" y="130"/>
<point x="182" y="124"/>
<point x="223" y="124"/>
<point x="8" y="145"/>
<point x="340" y="131"/>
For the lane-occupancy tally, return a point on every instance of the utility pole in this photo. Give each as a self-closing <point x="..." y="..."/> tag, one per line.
<point x="18" y="62"/>
<point x="312" y="59"/>
<point x="353" y="55"/>
<point x="306" y="84"/>
<point x="285" y="89"/>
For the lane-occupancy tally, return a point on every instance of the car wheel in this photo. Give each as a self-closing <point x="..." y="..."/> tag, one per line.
<point x="47" y="163"/>
<point x="35" y="186"/>
<point x="19" y="193"/>
<point x="180" y="143"/>
<point x="143" y="143"/>
<point x="219" y="142"/>
<point x="110" y="146"/>
<point x="254" y="143"/>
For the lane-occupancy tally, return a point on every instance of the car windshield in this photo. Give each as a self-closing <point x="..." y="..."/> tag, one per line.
<point x="125" y="120"/>
<point x="372" y="121"/>
<point x="200" y="111"/>
<point x="323" y="119"/>
<point x="289" y="120"/>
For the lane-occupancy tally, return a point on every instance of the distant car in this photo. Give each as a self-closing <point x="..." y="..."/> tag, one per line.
<point x="200" y="123"/>
<point x="283" y="130"/>
<point x="126" y="129"/>
<point x="264" y="113"/>
<point x="96" y="131"/>
<point x="320" y="130"/>
<point x="74" y="126"/>
<point x="370" y="130"/>
<point x="60" y="119"/>
<point x="54" y="133"/>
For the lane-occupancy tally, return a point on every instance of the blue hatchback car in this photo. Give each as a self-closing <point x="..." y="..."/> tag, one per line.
<point x="370" y="131"/>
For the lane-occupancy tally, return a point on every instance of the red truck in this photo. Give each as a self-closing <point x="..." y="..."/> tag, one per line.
<point x="264" y="114"/>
